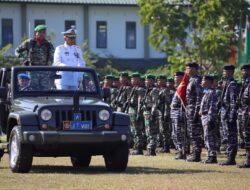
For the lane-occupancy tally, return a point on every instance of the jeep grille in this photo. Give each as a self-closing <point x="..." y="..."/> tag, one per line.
<point x="67" y="115"/>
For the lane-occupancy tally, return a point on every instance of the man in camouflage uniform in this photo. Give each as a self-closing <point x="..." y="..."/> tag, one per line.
<point x="218" y="92"/>
<point x="164" y="107"/>
<point x="123" y="92"/>
<point x="37" y="51"/>
<point x="152" y="116"/>
<point x="245" y="108"/>
<point x="208" y="112"/>
<point x="228" y="113"/>
<point x="178" y="119"/>
<point x="193" y="96"/>
<point x="239" y="116"/>
<point x="114" y="90"/>
<point x="107" y="86"/>
<point x="131" y="107"/>
<point x="171" y="87"/>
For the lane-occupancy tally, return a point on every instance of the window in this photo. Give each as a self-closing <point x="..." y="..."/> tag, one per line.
<point x="69" y="23"/>
<point x="130" y="35"/>
<point x="7" y="31"/>
<point x="101" y="34"/>
<point x="39" y="22"/>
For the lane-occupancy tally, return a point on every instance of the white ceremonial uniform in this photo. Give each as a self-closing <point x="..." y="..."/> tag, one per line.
<point x="66" y="55"/>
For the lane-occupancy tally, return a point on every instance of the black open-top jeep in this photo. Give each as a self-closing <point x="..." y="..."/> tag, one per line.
<point x="58" y="111"/>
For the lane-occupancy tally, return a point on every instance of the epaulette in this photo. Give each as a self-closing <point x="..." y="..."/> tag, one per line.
<point x="76" y="46"/>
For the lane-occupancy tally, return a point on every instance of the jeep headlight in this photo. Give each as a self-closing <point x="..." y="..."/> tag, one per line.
<point x="46" y="115"/>
<point x="104" y="115"/>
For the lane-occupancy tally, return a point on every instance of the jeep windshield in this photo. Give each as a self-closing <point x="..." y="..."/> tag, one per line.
<point x="54" y="81"/>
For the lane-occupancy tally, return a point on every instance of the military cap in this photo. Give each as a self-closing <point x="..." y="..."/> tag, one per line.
<point x="170" y="79"/>
<point x="142" y="77"/>
<point x="179" y="73"/>
<point x="193" y="65"/>
<point x="136" y="74"/>
<point x="71" y="33"/>
<point x="150" y="76"/>
<point x="245" y="66"/>
<point x="23" y="76"/>
<point x="228" y="67"/>
<point x="208" y="77"/>
<point x="124" y="74"/>
<point x="40" y="27"/>
<point x="162" y="77"/>
<point x="116" y="78"/>
<point x="109" y="77"/>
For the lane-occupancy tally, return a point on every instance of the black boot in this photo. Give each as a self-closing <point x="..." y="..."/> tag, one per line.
<point x="179" y="156"/>
<point x="196" y="157"/>
<point x="230" y="161"/>
<point x="137" y="151"/>
<point x="164" y="149"/>
<point x="246" y="164"/>
<point x="210" y="160"/>
<point x="151" y="152"/>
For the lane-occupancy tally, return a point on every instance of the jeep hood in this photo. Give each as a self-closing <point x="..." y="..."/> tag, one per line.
<point x="28" y="103"/>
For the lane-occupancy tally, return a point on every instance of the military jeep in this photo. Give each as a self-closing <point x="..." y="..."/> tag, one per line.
<point x="48" y="111"/>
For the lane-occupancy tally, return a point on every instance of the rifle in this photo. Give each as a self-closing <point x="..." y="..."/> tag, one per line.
<point x="127" y="103"/>
<point x="117" y="97"/>
<point x="238" y="101"/>
<point x="219" y="104"/>
<point x="143" y="101"/>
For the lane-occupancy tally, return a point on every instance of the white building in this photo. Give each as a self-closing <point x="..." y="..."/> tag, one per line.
<point x="112" y="27"/>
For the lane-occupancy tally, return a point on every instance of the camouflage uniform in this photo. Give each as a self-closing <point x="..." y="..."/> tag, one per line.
<point x="164" y="107"/>
<point x="114" y="94"/>
<point x="37" y="55"/>
<point x="122" y="97"/>
<point x="152" y="117"/>
<point x="136" y="122"/>
<point x="193" y="96"/>
<point x="208" y="112"/>
<point x="245" y="107"/>
<point x="178" y="123"/>
<point x="228" y="119"/>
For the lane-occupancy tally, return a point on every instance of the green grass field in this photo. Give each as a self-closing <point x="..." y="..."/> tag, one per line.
<point x="160" y="172"/>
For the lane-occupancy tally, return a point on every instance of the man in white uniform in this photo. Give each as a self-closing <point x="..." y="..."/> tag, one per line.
<point x="68" y="54"/>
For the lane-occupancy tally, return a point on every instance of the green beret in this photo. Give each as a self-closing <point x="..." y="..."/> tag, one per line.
<point x="162" y="77"/>
<point x="124" y="74"/>
<point x="116" y="78"/>
<point x="135" y="75"/>
<point x="109" y="77"/>
<point x="170" y="79"/>
<point x="40" y="28"/>
<point x="150" y="76"/>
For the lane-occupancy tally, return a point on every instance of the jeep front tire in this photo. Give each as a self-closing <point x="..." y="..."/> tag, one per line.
<point x="20" y="155"/>
<point x="117" y="160"/>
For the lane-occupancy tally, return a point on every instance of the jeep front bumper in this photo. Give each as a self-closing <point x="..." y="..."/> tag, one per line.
<point x="65" y="137"/>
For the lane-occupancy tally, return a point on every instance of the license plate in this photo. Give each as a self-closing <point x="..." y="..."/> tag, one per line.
<point x="77" y="125"/>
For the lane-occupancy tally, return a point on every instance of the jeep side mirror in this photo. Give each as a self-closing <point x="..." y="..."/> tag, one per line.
<point x="3" y="92"/>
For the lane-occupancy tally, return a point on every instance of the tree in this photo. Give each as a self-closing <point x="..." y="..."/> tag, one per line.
<point x="198" y="30"/>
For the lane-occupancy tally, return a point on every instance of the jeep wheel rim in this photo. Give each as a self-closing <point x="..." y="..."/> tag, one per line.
<point x="13" y="151"/>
